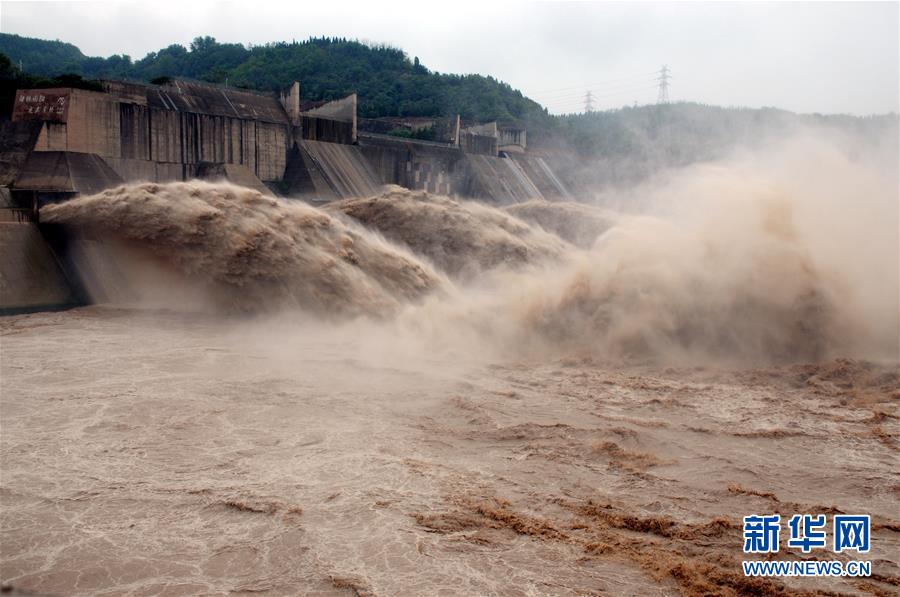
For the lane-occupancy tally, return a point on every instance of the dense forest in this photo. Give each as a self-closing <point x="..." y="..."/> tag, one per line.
<point x="388" y="82"/>
<point x="611" y="146"/>
<point x="12" y="78"/>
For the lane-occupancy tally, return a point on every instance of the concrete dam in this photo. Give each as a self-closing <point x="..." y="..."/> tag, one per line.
<point x="64" y="142"/>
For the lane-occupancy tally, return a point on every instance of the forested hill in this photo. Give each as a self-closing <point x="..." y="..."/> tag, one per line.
<point x="389" y="82"/>
<point x="598" y="148"/>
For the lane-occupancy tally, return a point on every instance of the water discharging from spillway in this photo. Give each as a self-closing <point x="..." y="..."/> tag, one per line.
<point x="735" y="263"/>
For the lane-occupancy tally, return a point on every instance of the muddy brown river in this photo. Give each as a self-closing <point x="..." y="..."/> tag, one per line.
<point x="158" y="453"/>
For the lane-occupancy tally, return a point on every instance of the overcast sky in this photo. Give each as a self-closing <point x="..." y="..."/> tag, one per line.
<point x="807" y="57"/>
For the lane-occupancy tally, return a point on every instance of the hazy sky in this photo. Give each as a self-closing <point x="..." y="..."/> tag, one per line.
<point x="808" y="57"/>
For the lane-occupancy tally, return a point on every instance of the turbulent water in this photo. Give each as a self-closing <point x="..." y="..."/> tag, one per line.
<point x="577" y="223"/>
<point x="409" y="394"/>
<point x="148" y="452"/>
<point x="735" y="263"/>
<point x="464" y="238"/>
<point x="256" y="252"/>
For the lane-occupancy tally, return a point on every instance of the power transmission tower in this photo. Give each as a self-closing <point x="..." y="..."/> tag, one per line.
<point x="588" y="102"/>
<point x="663" y="78"/>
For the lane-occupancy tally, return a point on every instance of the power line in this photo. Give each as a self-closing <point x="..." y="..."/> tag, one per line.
<point x="597" y="84"/>
<point x="591" y="104"/>
<point x="578" y="107"/>
<point x="569" y="101"/>
<point x="579" y="100"/>
<point x="644" y="79"/>
<point x="663" y="78"/>
<point x="569" y="94"/>
<point x="580" y="97"/>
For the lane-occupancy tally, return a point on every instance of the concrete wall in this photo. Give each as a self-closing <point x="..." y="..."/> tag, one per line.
<point x="17" y="140"/>
<point x="342" y="110"/>
<point x="500" y="180"/>
<point x="117" y="130"/>
<point x="233" y="173"/>
<point x="290" y="101"/>
<point x="322" y="129"/>
<point x="511" y="140"/>
<point x="333" y="121"/>
<point x="542" y="175"/>
<point x="322" y="172"/>
<point x="142" y="170"/>
<point x="31" y="278"/>
<point x="445" y="129"/>
<point x="478" y="144"/>
<point x="171" y="132"/>
<point x="415" y="165"/>
<point x="66" y="172"/>
<point x="448" y="170"/>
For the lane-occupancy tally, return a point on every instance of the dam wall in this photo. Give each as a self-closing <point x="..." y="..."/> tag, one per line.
<point x="332" y="121"/>
<point x="17" y="141"/>
<point x="31" y="276"/>
<point x="66" y="173"/>
<point x="153" y="132"/>
<point x="447" y="169"/>
<point x="542" y="176"/>
<point x="67" y="141"/>
<point x="414" y="164"/>
<point x="320" y="172"/>
<point x="500" y="179"/>
<point x="234" y="173"/>
<point x="64" y="142"/>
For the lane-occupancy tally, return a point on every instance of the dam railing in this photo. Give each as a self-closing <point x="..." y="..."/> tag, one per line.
<point x="397" y="139"/>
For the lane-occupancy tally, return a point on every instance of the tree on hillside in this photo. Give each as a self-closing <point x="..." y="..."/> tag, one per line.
<point x="388" y="82"/>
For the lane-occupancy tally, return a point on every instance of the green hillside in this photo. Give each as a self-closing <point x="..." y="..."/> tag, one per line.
<point x="388" y="82"/>
<point x="42" y="57"/>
